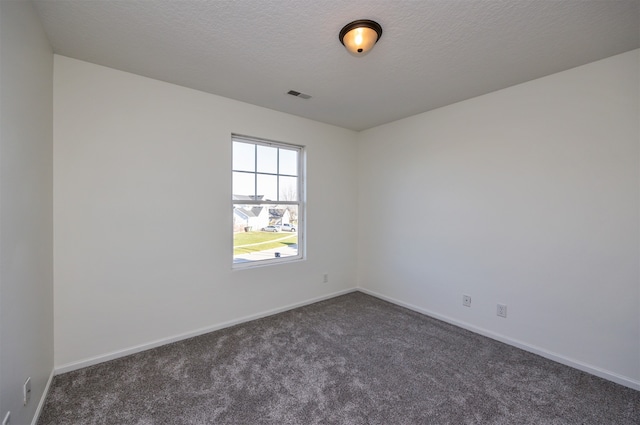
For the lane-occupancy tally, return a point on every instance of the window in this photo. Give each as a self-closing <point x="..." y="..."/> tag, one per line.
<point x="267" y="197"/>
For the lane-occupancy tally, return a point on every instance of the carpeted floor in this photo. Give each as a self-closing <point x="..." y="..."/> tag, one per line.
<point x="349" y="360"/>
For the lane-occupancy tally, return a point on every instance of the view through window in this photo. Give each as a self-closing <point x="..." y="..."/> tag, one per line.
<point x="267" y="201"/>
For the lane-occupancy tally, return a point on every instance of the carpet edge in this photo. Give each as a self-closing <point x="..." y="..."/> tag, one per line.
<point x="584" y="367"/>
<point x="91" y="361"/>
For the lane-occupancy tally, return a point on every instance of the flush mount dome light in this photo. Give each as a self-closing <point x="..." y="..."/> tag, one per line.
<point x="358" y="37"/>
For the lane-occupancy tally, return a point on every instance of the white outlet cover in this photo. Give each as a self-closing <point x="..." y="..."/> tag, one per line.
<point x="466" y="300"/>
<point x="502" y="310"/>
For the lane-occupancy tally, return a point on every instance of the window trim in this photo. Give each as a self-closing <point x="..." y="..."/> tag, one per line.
<point x="300" y="203"/>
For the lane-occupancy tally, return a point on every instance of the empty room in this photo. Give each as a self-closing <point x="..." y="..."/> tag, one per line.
<point x="319" y="212"/>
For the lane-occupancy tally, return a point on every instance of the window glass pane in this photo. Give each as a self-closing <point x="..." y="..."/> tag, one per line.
<point x="267" y="159"/>
<point x="288" y="188"/>
<point x="244" y="157"/>
<point x="268" y="187"/>
<point x="264" y="174"/>
<point x="288" y="162"/>
<point x="264" y="232"/>
<point x="244" y="184"/>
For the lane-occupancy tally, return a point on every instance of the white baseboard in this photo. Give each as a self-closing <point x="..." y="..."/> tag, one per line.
<point x="593" y="370"/>
<point x="143" y="347"/>
<point x="43" y="398"/>
<point x="611" y="376"/>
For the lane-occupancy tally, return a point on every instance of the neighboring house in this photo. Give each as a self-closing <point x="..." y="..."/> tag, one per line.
<point x="279" y="216"/>
<point x="255" y="217"/>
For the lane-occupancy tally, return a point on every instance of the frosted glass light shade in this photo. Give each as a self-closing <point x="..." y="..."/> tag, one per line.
<point x="359" y="37"/>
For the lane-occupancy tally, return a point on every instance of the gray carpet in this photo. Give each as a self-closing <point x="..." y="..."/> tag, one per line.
<point x="349" y="360"/>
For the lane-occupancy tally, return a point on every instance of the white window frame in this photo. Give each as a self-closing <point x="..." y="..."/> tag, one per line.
<point x="300" y="203"/>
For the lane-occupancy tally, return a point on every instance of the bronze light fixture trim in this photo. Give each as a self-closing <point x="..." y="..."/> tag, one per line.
<point x="359" y="37"/>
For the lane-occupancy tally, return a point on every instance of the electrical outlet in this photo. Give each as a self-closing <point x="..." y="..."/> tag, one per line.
<point x="7" y="419"/>
<point x="325" y="278"/>
<point x="26" y="391"/>
<point x="502" y="310"/>
<point x="466" y="300"/>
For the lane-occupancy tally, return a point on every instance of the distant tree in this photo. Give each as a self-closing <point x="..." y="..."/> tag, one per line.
<point x="289" y="193"/>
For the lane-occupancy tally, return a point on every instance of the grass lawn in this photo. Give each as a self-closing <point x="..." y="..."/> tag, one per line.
<point x="245" y="242"/>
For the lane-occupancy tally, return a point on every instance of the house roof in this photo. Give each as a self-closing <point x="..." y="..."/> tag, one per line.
<point x="247" y="197"/>
<point x="249" y="212"/>
<point x="273" y="212"/>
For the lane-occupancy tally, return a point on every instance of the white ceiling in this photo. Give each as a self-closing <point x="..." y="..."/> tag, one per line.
<point x="432" y="52"/>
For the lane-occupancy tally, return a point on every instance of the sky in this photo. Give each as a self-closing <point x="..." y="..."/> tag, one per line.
<point x="273" y="171"/>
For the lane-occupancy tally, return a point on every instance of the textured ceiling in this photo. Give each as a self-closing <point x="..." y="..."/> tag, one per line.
<point x="432" y="52"/>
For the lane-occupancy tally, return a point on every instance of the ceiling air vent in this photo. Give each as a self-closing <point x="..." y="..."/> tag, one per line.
<point x="298" y="94"/>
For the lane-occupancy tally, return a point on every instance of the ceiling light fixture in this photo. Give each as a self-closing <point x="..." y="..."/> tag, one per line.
<point x="359" y="37"/>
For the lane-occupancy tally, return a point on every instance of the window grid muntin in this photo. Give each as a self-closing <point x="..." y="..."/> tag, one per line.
<point x="255" y="143"/>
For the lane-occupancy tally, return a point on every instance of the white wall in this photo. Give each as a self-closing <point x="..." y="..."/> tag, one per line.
<point x="26" y="229"/>
<point x="528" y="196"/>
<point x="142" y="212"/>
